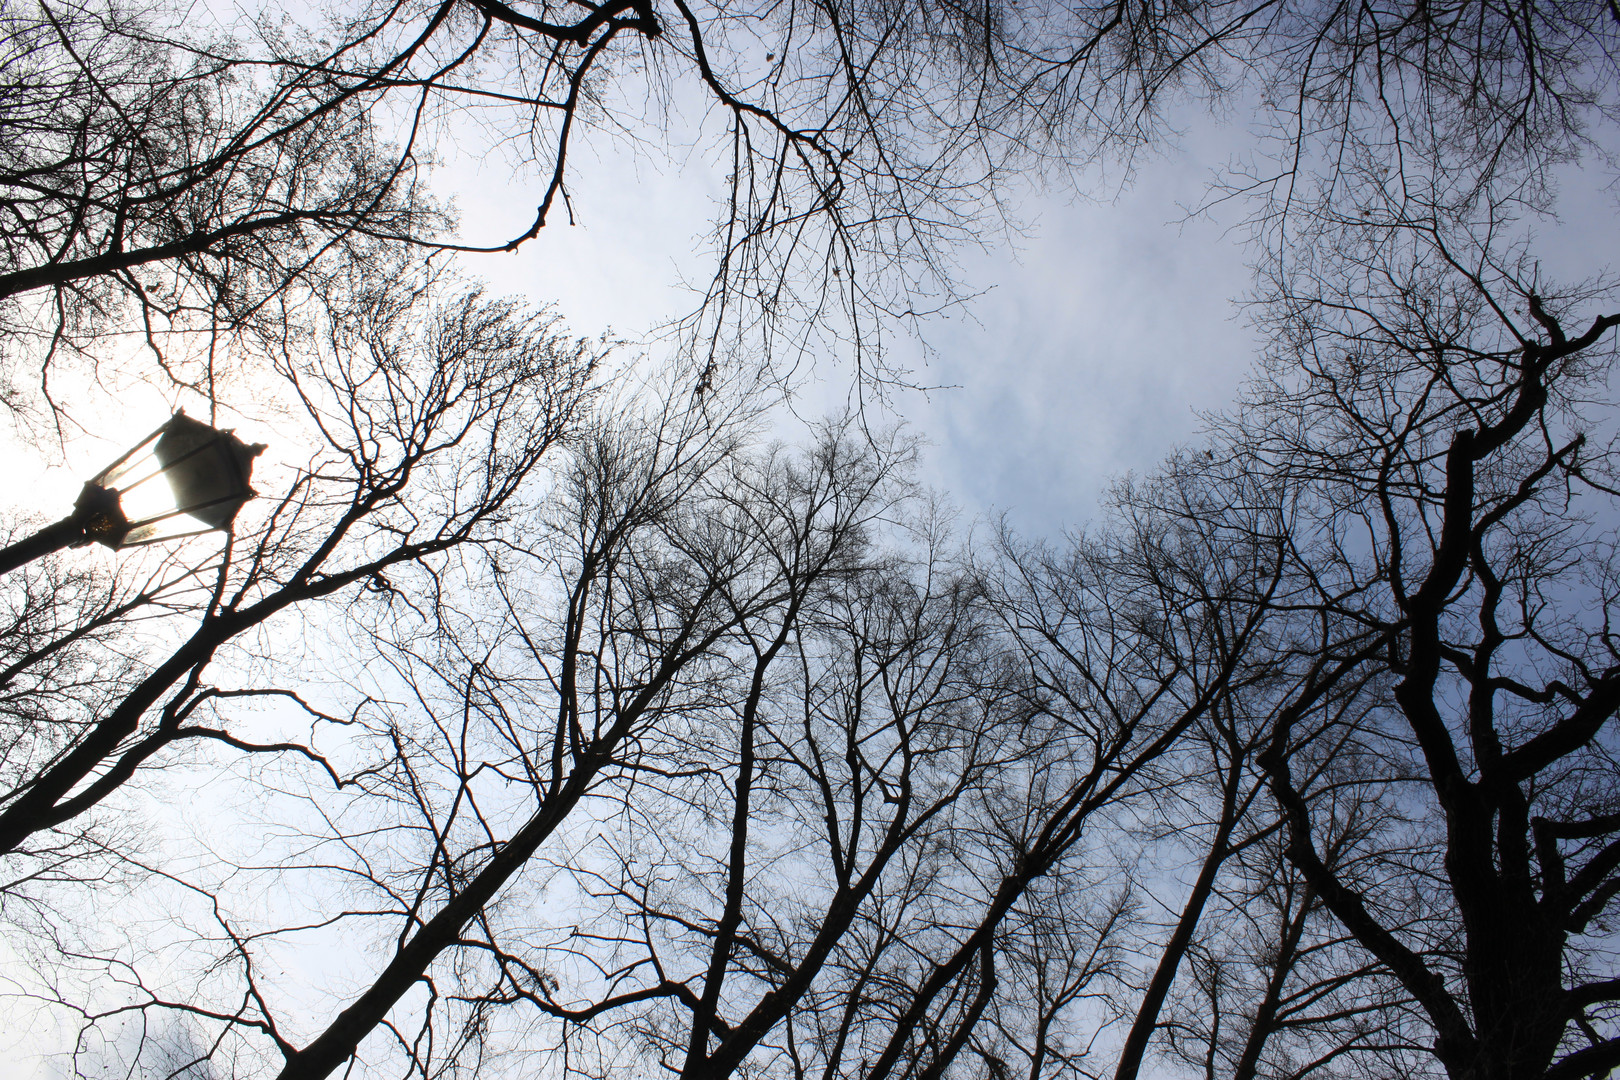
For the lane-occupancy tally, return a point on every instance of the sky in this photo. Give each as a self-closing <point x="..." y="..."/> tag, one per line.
<point x="1101" y="333"/>
<point x="1097" y="335"/>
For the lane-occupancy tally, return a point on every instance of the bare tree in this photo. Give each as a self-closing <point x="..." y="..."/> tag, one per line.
<point x="1437" y="428"/>
<point x="1212" y="814"/>
<point x="1276" y="987"/>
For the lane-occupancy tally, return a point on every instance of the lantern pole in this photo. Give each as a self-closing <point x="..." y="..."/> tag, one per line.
<point x="96" y="506"/>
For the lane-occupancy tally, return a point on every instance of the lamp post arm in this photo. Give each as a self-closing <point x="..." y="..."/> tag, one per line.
<point x="64" y="533"/>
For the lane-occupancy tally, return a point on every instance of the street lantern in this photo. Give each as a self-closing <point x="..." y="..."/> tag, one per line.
<point x="205" y="482"/>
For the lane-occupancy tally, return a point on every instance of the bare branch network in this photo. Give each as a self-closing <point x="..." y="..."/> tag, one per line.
<point x="545" y="715"/>
<point x="157" y="175"/>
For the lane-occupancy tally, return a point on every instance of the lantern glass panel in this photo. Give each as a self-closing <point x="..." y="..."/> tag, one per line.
<point x="184" y="478"/>
<point x="147" y="499"/>
<point x="207" y="470"/>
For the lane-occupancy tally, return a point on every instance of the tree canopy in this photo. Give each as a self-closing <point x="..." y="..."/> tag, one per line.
<point x="548" y="712"/>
